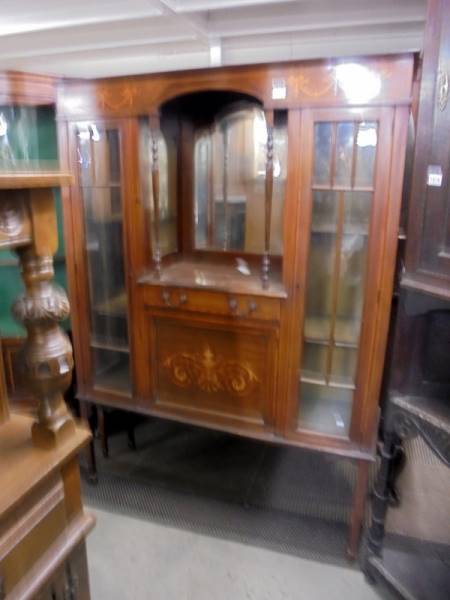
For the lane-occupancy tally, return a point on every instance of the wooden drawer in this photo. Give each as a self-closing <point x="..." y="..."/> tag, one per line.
<point x="29" y="529"/>
<point x="216" y="303"/>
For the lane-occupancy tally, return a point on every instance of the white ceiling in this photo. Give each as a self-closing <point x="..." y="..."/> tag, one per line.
<point x="96" y="38"/>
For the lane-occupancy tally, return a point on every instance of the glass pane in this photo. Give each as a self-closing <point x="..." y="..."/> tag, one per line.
<point x="112" y="371"/>
<point x="343" y="366"/>
<point x="325" y="409"/>
<point x="324" y="211"/>
<point x="99" y="166"/>
<point x="314" y="364"/>
<point x="344" y="153"/>
<point x="366" y="142"/>
<point x="229" y="182"/>
<point x="323" y="133"/>
<point x="336" y="281"/>
<point x="357" y="212"/>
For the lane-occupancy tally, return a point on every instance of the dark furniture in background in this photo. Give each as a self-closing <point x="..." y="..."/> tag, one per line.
<point x="419" y="379"/>
<point x="428" y="249"/>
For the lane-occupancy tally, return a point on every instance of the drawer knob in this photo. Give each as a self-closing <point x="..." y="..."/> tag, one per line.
<point x="233" y="304"/>
<point x="252" y="306"/>
<point x="166" y="297"/>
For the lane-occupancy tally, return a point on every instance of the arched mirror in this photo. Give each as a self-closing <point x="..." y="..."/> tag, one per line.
<point x="209" y="155"/>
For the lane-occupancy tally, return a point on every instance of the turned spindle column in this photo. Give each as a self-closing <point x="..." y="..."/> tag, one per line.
<point x="265" y="266"/>
<point x="46" y="356"/>
<point x="155" y="133"/>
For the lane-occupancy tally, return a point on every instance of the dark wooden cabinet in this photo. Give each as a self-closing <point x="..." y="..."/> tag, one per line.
<point x="428" y="248"/>
<point x="231" y="243"/>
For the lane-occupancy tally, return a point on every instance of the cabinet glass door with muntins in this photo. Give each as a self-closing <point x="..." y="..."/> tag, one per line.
<point x="342" y="194"/>
<point x="98" y="155"/>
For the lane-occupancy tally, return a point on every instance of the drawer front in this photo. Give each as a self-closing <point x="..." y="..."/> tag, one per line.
<point x="214" y="371"/>
<point x="216" y="303"/>
<point x="27" y="532"/>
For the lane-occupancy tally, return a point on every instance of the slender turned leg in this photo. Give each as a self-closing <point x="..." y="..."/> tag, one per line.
<point x="398" y="465"/>
<point x="381" y="496"/>
<point x="90" y="450"/>
<point x="102" y="431"/>
<point x="131" y="437"/>
<point x="359" y="502"/>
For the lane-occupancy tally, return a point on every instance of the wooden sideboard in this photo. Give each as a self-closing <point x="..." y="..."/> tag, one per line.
<point x="231" y="240"/>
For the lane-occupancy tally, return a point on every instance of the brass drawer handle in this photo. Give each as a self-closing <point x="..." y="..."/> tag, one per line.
<point x="182" y="299"/>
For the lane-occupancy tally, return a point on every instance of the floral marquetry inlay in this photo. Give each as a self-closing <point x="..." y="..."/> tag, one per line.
<point x="210" y="373"/>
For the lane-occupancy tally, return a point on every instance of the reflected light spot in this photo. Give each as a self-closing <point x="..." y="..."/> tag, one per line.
<point x="3" y="125"/>
<point x="358" y="83"/>
<point x="367" y="137"/>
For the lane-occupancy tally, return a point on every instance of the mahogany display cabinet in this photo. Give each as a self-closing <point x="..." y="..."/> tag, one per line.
<point x="231" y="243"/>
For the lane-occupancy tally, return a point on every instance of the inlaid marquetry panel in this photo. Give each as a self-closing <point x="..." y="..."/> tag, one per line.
<point x="213" y="370"/>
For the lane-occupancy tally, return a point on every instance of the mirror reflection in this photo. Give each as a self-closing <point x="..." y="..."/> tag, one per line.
<point x="229" y="181"/>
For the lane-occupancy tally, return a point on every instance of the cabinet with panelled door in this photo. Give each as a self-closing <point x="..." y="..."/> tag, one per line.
<point x="231" y="244"/>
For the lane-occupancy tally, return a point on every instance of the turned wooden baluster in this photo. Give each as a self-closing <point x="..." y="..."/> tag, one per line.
<point x="265" y="266"/>
<point x="211" y="207"/>
<point x="46" y="356"/>
<point x="226" y="234"/>
<point x="155" y="133"/>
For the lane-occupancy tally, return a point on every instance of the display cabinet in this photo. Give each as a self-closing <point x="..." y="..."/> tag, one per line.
<point x="428" y="249"/>
<point x="231" y="243"/>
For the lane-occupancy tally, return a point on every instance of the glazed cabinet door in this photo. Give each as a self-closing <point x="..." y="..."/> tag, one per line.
<point x="343" y="203"/>
<point x="102" y="300"/>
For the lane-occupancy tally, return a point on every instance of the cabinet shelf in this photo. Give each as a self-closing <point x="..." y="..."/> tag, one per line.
<point x="318" y="329"/>
<point x="215" y="276"/>
<point x="341" y="188"/>
<point x="349" y="229"/>
<point x="116" y="345"/>
<point x="115" y="306"/>
<point x="345" y="383"/>
<point x="112" y="184"/>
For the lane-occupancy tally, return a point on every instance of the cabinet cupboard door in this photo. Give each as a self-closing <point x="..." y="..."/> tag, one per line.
<point x="102" y="278"/>
<point x="343" y="200"/>
<point x="213" y="371"/>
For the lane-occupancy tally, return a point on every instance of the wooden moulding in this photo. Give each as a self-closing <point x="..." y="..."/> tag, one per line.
<point x="27" y="89"/>
<point x="308" y="83"/>
<point x="4" y="408"/>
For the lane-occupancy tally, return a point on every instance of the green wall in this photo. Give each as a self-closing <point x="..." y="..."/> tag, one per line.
<point x="31" y="134"/>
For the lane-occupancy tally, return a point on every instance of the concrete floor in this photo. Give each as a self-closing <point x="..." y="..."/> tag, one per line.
<point x="139" y="560"/>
